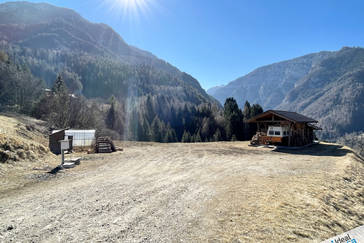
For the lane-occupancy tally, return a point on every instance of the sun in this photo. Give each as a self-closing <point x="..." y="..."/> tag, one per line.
<point x="131" y="4"/>
<point x="129" y="8"/>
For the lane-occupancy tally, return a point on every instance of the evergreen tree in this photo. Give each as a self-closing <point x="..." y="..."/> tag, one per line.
<point x="60" y="113"/>
<point x="156" y="130"/>
<point x="146" y="130"/>
<point x="197" y="138"/>
<point x="170" y="135"/>
<point x="251" y="128"/>
<point x="207" y="127"/>
<point x="247" y="111"/>
<point x="217" y="136"/>
<point x="59" y="86"/>
<point x="140" y="132"/>
<point x="111" y="114"/>
<point x="73" y="81"/>
<point x="186" y="137"/>
<point x="256" y="109"/>
<point x="174" y="136"/>
<point x="234" y="119"/>
<point x="133" y="126"/>
<point x="149" y="110"/>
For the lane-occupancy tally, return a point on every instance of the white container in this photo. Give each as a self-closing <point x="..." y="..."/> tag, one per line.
<point x="81" y="138"/>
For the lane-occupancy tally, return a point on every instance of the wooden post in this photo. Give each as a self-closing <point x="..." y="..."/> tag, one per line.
<point x="290" y="134"/>
<point x="62" y="157"/>
<point x="303" y="136"/>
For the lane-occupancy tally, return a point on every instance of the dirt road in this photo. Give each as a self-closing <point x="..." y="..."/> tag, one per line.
<point x="191" y="193"/>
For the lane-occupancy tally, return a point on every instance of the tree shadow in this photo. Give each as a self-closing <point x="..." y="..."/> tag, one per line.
<point x="318" y="150"/>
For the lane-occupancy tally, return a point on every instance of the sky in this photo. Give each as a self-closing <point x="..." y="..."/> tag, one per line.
<point x="217" y="41"/>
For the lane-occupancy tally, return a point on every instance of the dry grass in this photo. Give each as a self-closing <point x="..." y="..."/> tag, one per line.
<point x="217" y="192"/>
<point x="23" y="147"/>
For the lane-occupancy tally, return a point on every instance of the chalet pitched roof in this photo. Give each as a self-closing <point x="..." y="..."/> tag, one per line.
<point x="288" y="115"/>
<point x="314" y="127"/>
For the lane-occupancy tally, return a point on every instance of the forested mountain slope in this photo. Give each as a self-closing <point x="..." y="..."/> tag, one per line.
<point x="122" y="91"/>
<point x="333" y="92"/>
<point x="95" y="59"/>
<point x="268" y="85"/>
<point x="328" y="86"/>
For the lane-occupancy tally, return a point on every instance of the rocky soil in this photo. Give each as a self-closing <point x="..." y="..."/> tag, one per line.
<point x="217" y="192"/>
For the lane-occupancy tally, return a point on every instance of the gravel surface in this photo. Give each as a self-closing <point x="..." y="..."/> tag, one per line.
<point x="218" y="192"/>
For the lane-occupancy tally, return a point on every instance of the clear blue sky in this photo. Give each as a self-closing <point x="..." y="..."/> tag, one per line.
<point x="217" y="41"/>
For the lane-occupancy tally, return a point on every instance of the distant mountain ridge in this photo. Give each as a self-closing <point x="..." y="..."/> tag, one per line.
<point x="51" y="40"/>
<point x="36" y="25"/>
<point x="268" y="85"/>
<point x="328" y="86"/>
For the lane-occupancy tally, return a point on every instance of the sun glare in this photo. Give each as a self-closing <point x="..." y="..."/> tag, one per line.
<point x="129" y="8"/>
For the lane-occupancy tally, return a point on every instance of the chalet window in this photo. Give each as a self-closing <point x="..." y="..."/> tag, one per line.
<point x="277" y="133"/>
<point x="271" y="132"/>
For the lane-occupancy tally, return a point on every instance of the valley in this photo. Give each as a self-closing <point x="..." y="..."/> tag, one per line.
<point x="327" y="86"/>
<point x="183" y="169"/>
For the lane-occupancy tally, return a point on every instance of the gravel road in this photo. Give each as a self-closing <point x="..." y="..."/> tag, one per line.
<point x="218" y="192"/>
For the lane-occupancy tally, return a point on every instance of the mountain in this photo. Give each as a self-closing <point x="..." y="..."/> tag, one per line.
<point x="333" y="92"/>
<point x="118" y="89"/>
<point x="268" y="85"/>
<point x="328" y="86"/>
<point x="41" y="25"/>
<point x="98" y="63"/>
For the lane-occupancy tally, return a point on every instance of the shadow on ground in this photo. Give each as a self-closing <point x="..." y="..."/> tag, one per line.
<point x="318" y="150"/>
<point x="55" y="170"/>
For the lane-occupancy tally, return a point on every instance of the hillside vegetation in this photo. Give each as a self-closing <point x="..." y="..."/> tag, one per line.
<point x="327" y="86"/>
<point x="22" y="139"/>
<point x="23" y="151"/>
<point x="270" y="84"/>
<point x="122" y="91"/>
<point x="97" y="62"/>
<point x="333" y="92"/>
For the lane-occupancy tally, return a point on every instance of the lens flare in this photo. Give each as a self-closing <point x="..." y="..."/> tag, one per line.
<point x="129" y="8"/>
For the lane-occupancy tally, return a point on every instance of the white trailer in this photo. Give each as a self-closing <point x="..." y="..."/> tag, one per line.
<point x="278" y="131"/>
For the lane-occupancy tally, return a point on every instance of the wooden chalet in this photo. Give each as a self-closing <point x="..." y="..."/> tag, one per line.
<point x="284" y="128"/>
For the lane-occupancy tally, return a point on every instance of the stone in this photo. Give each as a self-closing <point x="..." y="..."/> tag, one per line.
<point x="21" y="153"/>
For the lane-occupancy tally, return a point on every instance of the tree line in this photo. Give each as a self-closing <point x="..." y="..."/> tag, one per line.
<point x="149" y="117"/>
<point x="100" y="76"/>
<point x="153" y="118"/>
